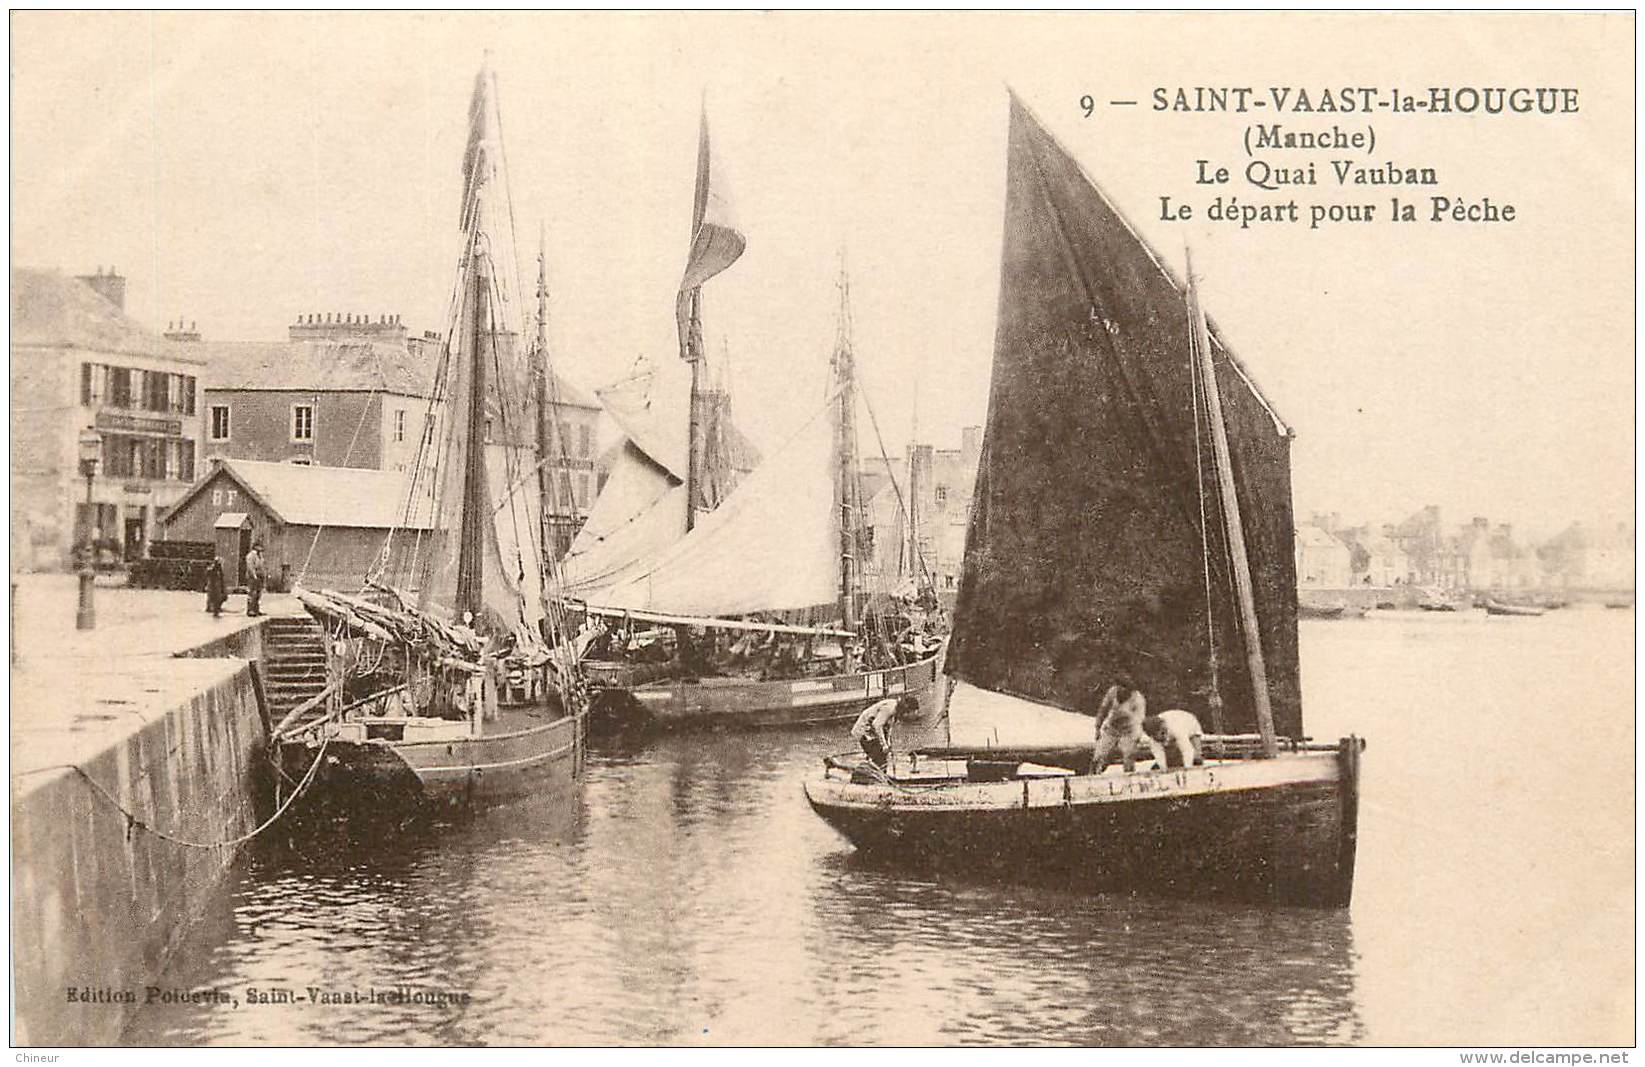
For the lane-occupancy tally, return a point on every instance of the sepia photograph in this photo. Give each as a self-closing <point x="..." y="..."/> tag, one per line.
<point x="866" y="529"/>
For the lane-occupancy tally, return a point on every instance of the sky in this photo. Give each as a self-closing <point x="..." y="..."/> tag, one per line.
<point x="241" y="169"/>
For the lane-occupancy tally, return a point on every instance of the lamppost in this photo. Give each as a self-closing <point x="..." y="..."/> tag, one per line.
<point x="91" y="448"/>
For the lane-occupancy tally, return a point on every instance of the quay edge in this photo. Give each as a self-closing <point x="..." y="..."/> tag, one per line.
<point x="98" y="904"/>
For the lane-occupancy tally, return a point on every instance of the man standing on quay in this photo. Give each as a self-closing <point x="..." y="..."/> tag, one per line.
<point x="254" y="579"/>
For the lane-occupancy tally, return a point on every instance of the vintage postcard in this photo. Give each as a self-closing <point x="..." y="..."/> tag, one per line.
<point x="814" y="529"/>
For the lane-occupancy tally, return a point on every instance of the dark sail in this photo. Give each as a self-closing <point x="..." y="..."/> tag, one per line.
<point x="1086" y="557"/>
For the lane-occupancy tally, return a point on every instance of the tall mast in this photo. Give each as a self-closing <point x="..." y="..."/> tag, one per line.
<point x="916" y="567"/>
<point x="476" y="506"/>
<point x="1231" y="519"/>
<point x="845" y="484"/>
<point x="695" y="445"/>
<point x="546" y="452"/>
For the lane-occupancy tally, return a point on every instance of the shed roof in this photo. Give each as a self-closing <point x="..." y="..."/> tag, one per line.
<point x="299" y="495"/>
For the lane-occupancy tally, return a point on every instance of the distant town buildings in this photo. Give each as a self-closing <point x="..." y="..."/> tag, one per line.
<point x="1479" y="556"/>
<point x="77" y="363"/>
<point x="1323" y="560"/>
<point x="932" y="486"/>
<point x="343" y="390"/>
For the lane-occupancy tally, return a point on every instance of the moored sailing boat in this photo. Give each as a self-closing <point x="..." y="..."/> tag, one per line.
<point x="1132" y="519"/>
<point x="452" y="679"/>
<point x="749" y="585"/>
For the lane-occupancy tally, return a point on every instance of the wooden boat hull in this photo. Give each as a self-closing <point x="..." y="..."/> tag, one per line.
<point x="1281" y="830"/>
<point x="402" y="780"/>
<point x="745" y="703"/>
<point x="1523" y="610"/>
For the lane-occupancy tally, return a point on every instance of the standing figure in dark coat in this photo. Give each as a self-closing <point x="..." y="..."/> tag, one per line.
<point x="216" y="588"/>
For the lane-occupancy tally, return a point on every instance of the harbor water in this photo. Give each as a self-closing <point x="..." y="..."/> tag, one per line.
<point x="685" y="893"/>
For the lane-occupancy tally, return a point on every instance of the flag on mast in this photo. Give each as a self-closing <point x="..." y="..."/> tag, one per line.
<point x="716" y="243"/>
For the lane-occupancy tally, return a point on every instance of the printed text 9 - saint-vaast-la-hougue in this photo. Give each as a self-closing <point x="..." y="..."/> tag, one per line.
<point x="1368" y="99"/>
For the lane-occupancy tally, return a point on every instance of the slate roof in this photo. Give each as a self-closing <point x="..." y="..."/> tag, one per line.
<point x="299" y="495"/>
<point x="54" y="309"/>
<point x="330" y="366"/>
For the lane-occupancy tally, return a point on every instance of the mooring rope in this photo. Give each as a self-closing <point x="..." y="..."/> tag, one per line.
<point x="132" y="820"/>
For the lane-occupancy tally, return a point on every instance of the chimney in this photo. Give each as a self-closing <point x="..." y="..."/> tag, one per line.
<point x="971" y="446"/>
<point x="110" y="286"/>
<point x="179" y="333"/>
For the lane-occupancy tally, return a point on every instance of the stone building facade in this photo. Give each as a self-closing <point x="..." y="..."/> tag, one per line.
<point x="942" y="482"/>
<point x="348" y="390"/>
<point x="78" y="361"/>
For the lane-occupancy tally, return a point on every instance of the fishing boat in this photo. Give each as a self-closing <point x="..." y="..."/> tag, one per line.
<point x="1434" y="600"/>
<point x="1132" y="519"/>
<point x="1502" y="607"/>
<point x="732" y="594"/>
<point x="451" y="678"/>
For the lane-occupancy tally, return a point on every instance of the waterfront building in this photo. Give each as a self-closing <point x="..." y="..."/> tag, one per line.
<point x="1322" y="561"/>
<point x="78" y="361"/>
<point x="1435" y="559"/>
<point x="326" y="525"/>
<point x="1584" y="557"/>
<point x="349" y="390"/>
<point x="1375" y="558"/>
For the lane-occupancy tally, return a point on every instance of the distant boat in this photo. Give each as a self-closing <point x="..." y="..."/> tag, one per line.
<point x="1497" y="607"/>
<point x="1334" y="609"/>
<point x="1103" y="543"/>
<point x="743" y="606"/>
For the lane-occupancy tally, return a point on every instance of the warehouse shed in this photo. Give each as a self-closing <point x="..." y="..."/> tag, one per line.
<point x="322" y="527"/>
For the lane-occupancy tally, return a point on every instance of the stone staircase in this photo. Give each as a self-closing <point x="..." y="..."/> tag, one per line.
<point x="294" y="662"/>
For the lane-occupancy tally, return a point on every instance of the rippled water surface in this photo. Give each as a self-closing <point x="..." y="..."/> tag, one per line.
<point x="685" y="893"/>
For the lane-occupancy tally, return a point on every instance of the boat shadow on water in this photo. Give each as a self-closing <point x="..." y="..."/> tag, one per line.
<point x="1122" y="968"/>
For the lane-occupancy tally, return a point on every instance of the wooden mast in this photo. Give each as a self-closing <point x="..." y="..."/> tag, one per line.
<point x="845" y="484"/>
<point x="916" y="565"/>
<point x="546" y="452"/>
<point x="695" y="446"/>
<point x="1231" y="519"/>
<point x="476" y="506"/>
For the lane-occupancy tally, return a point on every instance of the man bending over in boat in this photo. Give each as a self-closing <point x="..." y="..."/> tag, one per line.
<point x="1119" y="727"/>
<point x="1124" y="727"/>
<point x="873" y="728"/>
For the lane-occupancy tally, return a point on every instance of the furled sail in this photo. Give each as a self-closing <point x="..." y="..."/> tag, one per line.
<point x="772" y="546"/>
<point x="1095" y="549"/>
<point x="483" y="558"/>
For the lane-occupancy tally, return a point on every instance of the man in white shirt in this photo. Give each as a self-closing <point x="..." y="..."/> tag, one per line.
<point x="873" y="728"/>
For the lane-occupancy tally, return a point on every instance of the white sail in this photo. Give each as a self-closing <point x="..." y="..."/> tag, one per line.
<point x="772" y="546"/>
<point x="639" y="513"/>
<point x="514" y="506"/>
